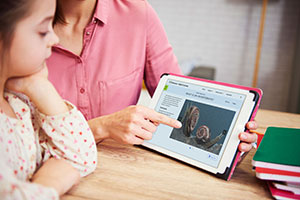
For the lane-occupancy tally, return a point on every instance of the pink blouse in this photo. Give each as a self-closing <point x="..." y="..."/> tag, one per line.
<point x="32" y="138"/>
<point x="123" y="44"/>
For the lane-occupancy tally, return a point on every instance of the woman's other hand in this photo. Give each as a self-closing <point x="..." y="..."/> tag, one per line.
<point x="248" y="138"/>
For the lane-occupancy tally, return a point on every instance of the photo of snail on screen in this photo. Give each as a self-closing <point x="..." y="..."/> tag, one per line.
<point x="203" y="126"/>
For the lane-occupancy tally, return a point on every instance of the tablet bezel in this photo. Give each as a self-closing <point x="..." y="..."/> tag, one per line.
<point x="233" y="142"/>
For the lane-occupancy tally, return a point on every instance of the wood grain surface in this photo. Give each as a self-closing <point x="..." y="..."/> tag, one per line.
<point x="131" y="172"/>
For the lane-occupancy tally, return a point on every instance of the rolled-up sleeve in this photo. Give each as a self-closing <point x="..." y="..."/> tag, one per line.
<point x="160" y="58"/>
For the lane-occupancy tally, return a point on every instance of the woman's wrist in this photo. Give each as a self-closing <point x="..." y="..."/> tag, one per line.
<point x="97" y="125"/>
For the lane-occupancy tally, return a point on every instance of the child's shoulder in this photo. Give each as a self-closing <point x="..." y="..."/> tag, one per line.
<point x="20" y="103"/>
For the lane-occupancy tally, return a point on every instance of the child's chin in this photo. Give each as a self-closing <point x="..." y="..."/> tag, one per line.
<point x="48" y="55"/>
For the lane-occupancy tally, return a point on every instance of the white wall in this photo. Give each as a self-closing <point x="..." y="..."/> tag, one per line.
<point x="223" y="34"/>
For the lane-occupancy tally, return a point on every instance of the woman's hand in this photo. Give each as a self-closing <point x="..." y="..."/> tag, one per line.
<point x="57" y="174"/>
<point x="135" y="124"/>
<point x="131" y="125"/>
<point x="248" y="138"/>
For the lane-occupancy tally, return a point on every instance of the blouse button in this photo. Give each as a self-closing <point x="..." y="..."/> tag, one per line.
<point x="88" y="33"/>
<point x="82" y="90"/>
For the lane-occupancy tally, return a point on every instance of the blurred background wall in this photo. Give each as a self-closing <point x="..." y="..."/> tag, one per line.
<point x="223" y="35"/>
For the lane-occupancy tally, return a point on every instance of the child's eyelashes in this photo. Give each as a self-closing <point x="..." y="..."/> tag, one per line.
<point x="44" y="34"/>
<point x="45" y="28"/>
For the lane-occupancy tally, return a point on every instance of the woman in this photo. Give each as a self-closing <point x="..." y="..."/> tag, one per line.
<point x="107" y="47"/>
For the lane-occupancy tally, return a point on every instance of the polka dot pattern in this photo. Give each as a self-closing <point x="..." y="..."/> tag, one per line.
<point x="32" y="138"/>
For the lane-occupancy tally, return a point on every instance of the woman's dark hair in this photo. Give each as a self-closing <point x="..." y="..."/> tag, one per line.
<point x="58" y="17"/>
<point x="11" y="12"/>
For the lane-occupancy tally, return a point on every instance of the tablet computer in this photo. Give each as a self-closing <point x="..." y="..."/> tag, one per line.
<point x="212" y="116"/>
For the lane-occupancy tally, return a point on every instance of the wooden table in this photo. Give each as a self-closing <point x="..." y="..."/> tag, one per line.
<point x="131" y="172"/>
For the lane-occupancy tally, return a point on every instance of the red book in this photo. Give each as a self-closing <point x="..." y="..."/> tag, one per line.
<point x="276" y="171"/>
<point x="282" y="194"/>
<point x="288" y="186"/>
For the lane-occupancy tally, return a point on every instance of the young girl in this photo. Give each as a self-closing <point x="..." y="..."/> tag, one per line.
<point x="45" y="143"/>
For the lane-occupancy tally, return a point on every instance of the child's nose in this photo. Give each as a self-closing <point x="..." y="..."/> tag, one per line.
<point x="53" y="40"/>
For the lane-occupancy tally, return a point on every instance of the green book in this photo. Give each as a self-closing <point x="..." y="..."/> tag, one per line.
<point x="279" y="146"/>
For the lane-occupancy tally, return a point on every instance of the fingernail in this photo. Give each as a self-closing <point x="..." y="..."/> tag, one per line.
<point x="251" y="125"/>
<point x="244" y="137"/>
<point x="243" y="148"/>
<point x="178" y="124"/>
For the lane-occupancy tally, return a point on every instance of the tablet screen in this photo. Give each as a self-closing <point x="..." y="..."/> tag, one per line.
<point x="208" y="116"/>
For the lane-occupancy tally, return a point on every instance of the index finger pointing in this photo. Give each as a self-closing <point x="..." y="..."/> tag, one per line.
<point x="163" y="119"/>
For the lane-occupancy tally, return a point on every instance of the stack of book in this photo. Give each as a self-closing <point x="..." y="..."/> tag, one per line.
<point x="277" y="160"/>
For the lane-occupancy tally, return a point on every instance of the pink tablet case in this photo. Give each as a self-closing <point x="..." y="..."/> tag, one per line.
<point x="228" y="173"/>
